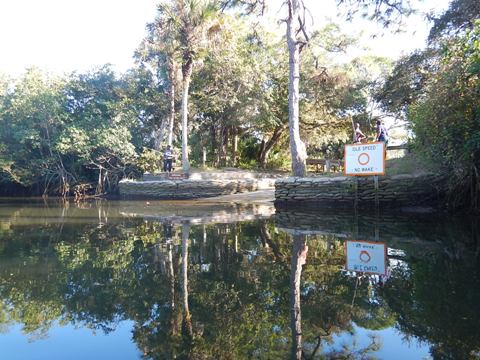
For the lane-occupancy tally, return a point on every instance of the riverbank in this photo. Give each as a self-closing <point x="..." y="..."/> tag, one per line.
<point x="408" y="183"/>
<point x="199" y="185"/>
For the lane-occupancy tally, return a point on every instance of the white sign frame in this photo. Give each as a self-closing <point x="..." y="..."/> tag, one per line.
<point x="366" y="257"/>
<point x="364" y="159"/>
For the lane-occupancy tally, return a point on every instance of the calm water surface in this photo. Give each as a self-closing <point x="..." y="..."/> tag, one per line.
<point x="158" y="280"/>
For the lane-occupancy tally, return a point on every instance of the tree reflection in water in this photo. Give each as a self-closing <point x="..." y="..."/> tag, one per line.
<point x="231" y="290"/>
<point x="187" y="317"/>
<point x="299" y="257"/>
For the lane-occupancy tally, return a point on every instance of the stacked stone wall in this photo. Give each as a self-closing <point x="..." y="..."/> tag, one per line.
<point x="190" y="189"/>
<point x="397" y="190"/>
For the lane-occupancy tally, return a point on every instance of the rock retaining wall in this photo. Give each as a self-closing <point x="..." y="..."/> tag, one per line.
<point x="392" y="191"/>
<point x="190" y="188"/>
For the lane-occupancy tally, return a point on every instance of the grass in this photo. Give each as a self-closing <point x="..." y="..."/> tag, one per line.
<point x="410" y="164"/>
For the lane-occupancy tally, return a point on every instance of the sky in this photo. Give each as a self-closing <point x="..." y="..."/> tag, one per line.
<point x="65" y="35"/>
<point x="61" y="36"/>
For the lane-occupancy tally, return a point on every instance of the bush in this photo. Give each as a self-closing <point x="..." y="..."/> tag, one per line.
<point x="446" y="119"/>
<point x="150" y="161"/>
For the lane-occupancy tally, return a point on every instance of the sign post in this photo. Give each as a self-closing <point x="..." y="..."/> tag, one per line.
<point x="365" y="159"/>
<point x="367" y="257"/>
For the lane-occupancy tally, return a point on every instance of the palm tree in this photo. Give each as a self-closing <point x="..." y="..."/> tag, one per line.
<point x="194" y="24"/>
<point x="161" y="49"/>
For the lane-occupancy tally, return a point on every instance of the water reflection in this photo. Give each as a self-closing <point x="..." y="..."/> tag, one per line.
<point x="299" y="257"/>
<point x="264" y="288"/>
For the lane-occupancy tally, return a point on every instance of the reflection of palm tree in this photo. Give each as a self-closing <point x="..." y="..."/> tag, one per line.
<point x="299" y="257"/>
<point x="171" y="277"/>
<point x="187" y="320"/>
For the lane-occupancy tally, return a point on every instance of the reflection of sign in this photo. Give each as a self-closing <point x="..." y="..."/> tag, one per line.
<point x="365" y="159"/>
<point x="369" y="257"/>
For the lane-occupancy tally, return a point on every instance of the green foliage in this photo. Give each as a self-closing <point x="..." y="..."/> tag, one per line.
<point x="406" y="82"/>
<point x="447" y="131"/>
<point x="57" y="133"/>
<point x="460" y="15"/>
<point x="150" y="161"/>
<point x="436" y="91"/>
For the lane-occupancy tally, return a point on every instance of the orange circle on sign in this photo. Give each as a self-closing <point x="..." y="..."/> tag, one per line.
<point x="365" y="156"/>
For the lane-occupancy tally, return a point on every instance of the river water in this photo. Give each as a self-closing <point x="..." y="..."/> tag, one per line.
<point x="164" y="280"/>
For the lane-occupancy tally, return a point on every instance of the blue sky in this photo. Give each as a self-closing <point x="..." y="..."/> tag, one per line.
<point x="66" y="35"/>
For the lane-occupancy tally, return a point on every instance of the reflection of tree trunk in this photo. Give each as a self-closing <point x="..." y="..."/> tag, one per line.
<point x="299" y="257"/>
<point x="187" y="320"/>
<point x="237" y="234"/>
<point x="171" y="277"/>
<point x="268" y="242"/>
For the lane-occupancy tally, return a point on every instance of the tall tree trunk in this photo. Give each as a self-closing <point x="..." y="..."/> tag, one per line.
<point x="354" y="137"/>
<point x="158" y="134"/>
<point x="99" y="188"/>
<point x="214" y="147"/>
<point x="299" y="257"/>
<point x="268" y="146"/>
<point x="220" y="146"/>
<point x="187" y="74"/>
<point x="297" y="147"/>
<point x="171" y="75"/>
<point x="224" y="145"/>
<point x="235" y="146"/>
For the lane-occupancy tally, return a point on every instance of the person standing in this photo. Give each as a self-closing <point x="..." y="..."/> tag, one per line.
<point x="382" y="134"/>
<point x="167" y="159"/>
<point x="359" y="135"/>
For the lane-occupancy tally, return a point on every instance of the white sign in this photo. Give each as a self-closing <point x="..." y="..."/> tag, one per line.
<point x="365" y="159"/>
<point x="368" y="257"/>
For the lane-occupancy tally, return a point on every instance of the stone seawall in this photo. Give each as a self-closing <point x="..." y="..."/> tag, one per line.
<point x="190" y="188"/>
<point x="390" y="191"/>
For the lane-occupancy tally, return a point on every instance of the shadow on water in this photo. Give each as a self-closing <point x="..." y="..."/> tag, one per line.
<point x="238" y="281"/>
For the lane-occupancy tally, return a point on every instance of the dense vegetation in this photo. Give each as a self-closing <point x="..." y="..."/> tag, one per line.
<point x="214" y="83"/>
<point x="437" y="90"/>
<point x="80" y="130"/>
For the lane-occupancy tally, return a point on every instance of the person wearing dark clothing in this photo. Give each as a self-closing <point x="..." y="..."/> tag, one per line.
<point x="382" y="134"/>
<point x="167" y="159"/>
